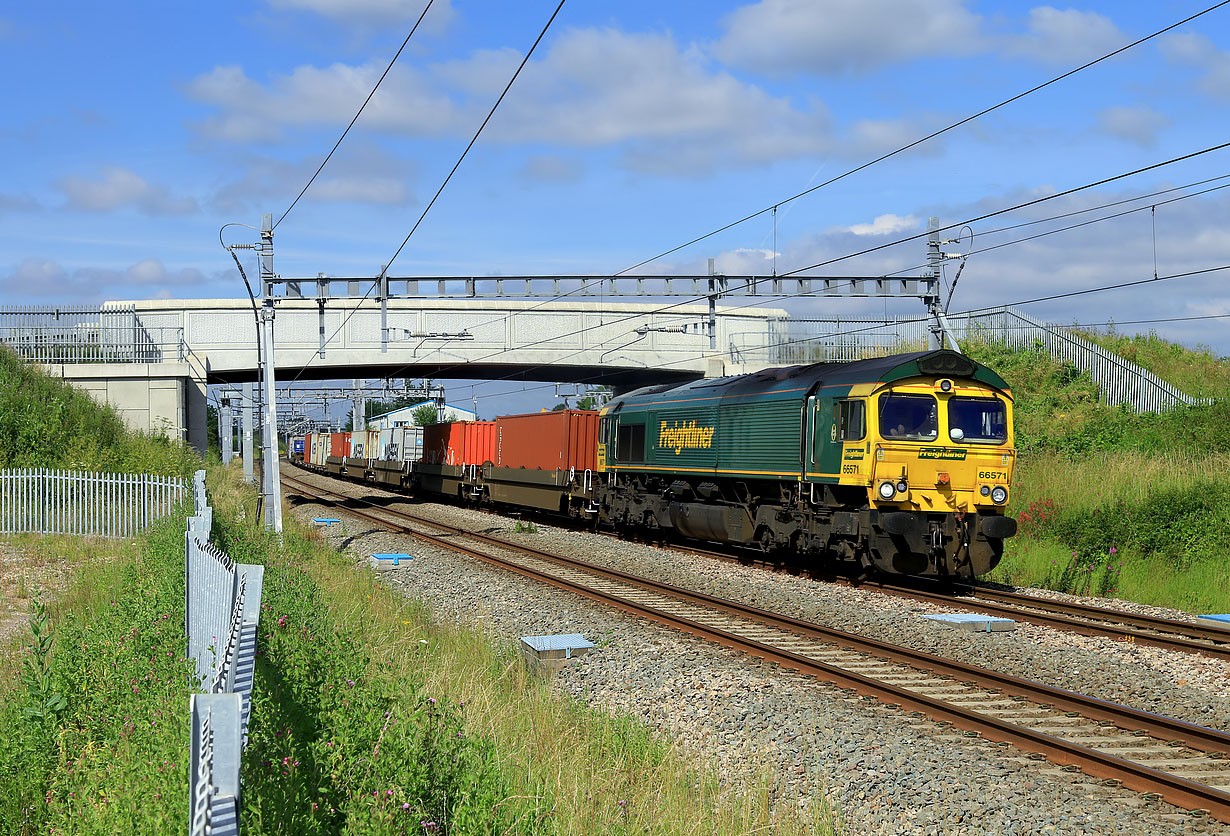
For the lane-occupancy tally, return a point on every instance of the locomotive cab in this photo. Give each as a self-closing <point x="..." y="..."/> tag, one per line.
<point x="932" y="453"/>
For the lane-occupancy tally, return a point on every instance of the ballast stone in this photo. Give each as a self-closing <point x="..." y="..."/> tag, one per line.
<point x="974" y="622"/>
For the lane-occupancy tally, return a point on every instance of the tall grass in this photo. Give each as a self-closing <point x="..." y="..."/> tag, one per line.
<point x="520" y="757"/>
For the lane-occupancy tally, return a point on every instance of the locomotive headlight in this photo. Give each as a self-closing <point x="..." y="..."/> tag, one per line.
<point x="985" y="490"/>
<point x="999" y="494"/>
<point x="887" y="490"/>
<point x="902" y="487"/>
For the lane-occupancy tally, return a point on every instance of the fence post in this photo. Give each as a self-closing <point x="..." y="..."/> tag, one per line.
<point x="213" y="784"/>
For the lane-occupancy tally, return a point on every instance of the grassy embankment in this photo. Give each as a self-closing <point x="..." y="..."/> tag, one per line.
<point x="1113" y="503"/>
<point x="367" y="716"/>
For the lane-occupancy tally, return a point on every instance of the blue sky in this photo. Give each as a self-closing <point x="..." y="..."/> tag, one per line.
<point x="133" y="131"/>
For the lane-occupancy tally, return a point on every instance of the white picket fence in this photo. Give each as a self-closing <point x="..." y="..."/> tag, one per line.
<point x="38" y="500"/>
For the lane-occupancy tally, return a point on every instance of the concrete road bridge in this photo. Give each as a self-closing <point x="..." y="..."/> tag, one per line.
<point x="154" y="359"/>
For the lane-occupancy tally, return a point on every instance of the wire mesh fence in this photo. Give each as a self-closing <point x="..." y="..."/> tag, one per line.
<point x="221" y="621"/>
<point x="39" y="500"/>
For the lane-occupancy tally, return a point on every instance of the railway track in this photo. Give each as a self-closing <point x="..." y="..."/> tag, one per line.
<point x="1182" y="763"/>
<point x="1082" y="619"/>
<point x="1085" y="619"/>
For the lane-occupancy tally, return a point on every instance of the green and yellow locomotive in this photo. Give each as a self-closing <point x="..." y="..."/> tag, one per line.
<point x="903" y="463"/>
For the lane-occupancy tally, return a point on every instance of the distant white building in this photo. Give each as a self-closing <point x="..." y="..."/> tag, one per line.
<point x="404" y="416"/>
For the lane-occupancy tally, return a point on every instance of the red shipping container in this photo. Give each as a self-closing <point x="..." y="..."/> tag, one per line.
<point x="459" y="443"/>
<point x="562" y="440"/>
<point x="339" y="445"/>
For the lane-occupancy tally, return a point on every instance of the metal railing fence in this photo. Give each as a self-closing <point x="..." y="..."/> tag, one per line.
<point x="87" y="335"/>
<point x="221" y="621"/>
<point x="1119" y="380"/>
<point x="47" y="501"/>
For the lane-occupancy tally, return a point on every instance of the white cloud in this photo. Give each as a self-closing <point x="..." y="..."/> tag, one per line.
<point x="884" y="225"/>
<point x="1138" y="125"/>
<point x="44" y="278"/>
<point x="1067" y="36"/>
<point x="17" y="202"/>
<point x="844" y="36"/>
<point x="360" y="173"/>
<point x="376" y="11"/>
<point x="314" y="97"/>
<point x="754" y="261"/>
<point x="1200" y="52"/>
<point x="118" y="188"/>
<point x="668" y="108"/>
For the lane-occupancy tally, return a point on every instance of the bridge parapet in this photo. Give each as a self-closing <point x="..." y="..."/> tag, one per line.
<point x="566" y="341"/>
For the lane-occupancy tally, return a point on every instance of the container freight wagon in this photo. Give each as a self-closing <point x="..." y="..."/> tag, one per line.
<point x="339" y="450"/>
<point x="453" y="456"/>
<point x="544" y="460"/>
<point x="318" y="446"/>
<point x="364" y="446"/>
<point x="399" y="448"/>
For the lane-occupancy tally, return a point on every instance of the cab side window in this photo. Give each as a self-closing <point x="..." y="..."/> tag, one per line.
<point x="851" y="420"/>
<point x="630" y="443"/>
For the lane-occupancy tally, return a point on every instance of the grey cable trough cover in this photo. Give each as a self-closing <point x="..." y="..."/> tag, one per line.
<point x="550" y="645"/>
<point x="974" y="622"/>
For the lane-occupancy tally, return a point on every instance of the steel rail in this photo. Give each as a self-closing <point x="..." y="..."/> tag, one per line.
<point x="1179" y="791"/>
<point x="1210" y="633"/>
<point x="1062" y="615"/>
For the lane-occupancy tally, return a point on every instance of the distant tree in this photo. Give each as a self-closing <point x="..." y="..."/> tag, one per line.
<point x="559" y="407"/>
<point x="426" y="414"/>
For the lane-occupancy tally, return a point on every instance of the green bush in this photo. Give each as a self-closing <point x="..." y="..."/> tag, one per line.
<point x="46" y="422"/>
<point x="1181" y="525"/>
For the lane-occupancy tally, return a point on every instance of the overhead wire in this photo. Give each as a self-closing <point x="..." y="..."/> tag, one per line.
<point x="957" y="225"/>
<point x="878" y="325"/>
<point x="440" y="190"/>
<point x="474" y="139"/>
<point x="1036" y="201"/>
<point x="358" y="113"/>
<point x="774" y="207"/>
<point x="929" y="136"/>
<point x="852" y="171"/>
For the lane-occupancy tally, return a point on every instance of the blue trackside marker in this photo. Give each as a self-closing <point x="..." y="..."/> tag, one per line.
<point x="1223" y="617"/>
<point x="396" y="557"/>
<point x="325" y="520"/>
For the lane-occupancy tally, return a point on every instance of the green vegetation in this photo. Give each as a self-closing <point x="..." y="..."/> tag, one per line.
<point x="95" y="730"/>
<point x="1197" y="371"/>
<point x="367" y="716"/>
<point x="374" y="718"/>
<point x="1111" y="502"/>
<point x="45" y="422"/>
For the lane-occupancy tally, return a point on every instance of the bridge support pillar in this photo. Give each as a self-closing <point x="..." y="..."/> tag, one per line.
<point x="163" y="398"/>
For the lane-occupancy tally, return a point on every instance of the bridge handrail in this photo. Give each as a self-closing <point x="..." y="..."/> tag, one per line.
<point x="1119" y="381"/>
